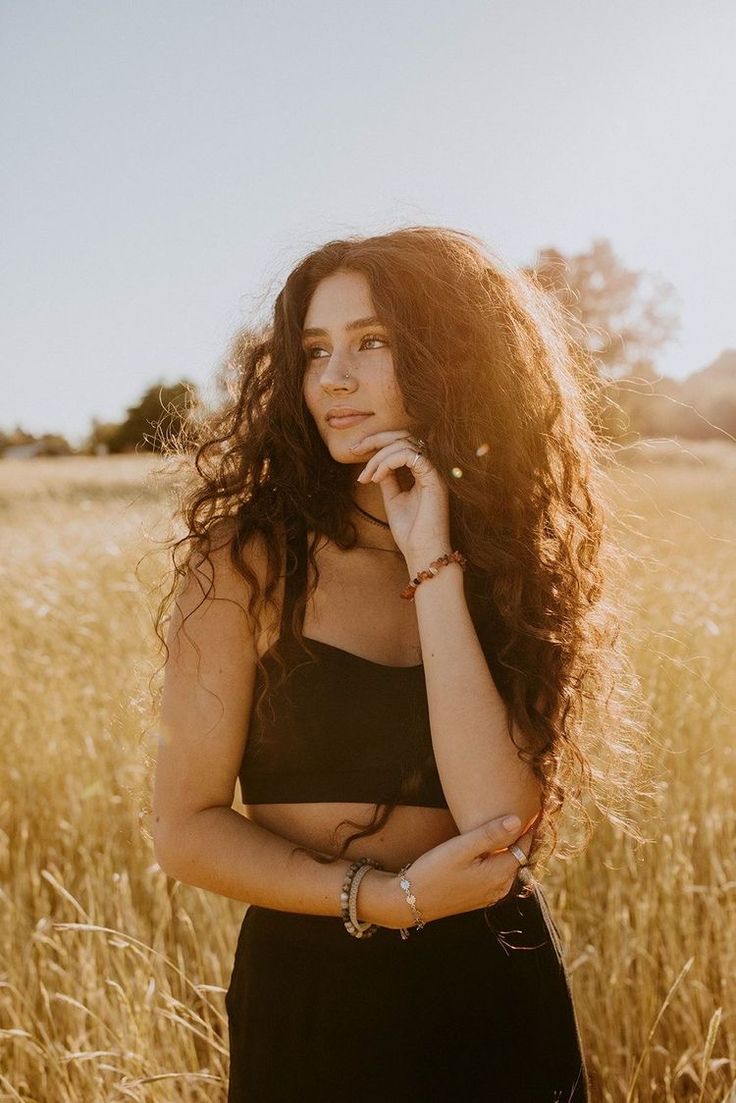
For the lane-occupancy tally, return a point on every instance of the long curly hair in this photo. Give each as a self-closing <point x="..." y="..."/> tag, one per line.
<point x="507" y="403"/>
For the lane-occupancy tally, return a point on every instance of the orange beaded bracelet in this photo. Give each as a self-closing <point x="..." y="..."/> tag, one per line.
<point x="432" y="570"/>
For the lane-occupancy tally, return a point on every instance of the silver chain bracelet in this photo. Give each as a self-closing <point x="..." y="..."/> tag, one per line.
<point x="411" y="900"/>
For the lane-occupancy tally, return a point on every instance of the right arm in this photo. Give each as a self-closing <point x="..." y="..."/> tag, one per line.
<point x="208" y="691"/>
<point x="209" y="682"/>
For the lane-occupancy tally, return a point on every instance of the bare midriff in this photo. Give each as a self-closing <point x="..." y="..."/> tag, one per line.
<point x="409" y="832"/>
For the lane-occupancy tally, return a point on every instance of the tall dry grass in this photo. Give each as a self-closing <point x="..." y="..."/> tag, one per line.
<point x="112" y="977"/>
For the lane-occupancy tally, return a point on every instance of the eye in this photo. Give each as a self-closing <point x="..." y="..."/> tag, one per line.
<point x="312" y="352"/>
<point x="374" y="337"/>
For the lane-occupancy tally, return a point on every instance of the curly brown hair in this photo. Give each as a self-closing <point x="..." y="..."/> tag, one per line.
<point x="508" y="405"/>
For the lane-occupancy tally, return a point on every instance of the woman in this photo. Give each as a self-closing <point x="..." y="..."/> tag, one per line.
<point x="387" y="616"/>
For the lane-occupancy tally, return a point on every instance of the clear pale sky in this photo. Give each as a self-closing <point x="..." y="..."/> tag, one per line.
<point x="167" y="162"/>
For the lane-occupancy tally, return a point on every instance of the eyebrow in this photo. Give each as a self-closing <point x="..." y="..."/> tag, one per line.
<point x="359" y="323"/>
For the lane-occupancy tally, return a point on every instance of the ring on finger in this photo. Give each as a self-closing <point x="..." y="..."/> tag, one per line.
<point x="519" y="854"/>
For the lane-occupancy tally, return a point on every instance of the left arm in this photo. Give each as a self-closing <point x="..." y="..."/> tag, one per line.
<point x="481" y="773"/>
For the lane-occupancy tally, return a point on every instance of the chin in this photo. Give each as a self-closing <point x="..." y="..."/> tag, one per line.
<point x="349" y="460"/>
<point x="342" y="454"/>
<point x="339" y="449"/>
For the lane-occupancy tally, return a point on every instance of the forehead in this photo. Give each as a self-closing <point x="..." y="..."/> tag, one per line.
<point x="338" y="299"/>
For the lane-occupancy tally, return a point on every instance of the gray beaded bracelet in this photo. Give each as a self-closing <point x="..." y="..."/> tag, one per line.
<point x="349" y="896"/>
<point x="363" y="929"/>
<point x="411" y="900"/>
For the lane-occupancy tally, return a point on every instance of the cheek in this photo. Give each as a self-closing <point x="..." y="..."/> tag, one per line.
<point x="313" y="403"/>
<point x="309" y="393"/>
<point x="391" y="392"/>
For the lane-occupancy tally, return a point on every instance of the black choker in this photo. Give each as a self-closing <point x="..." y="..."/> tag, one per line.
<point x="375" y="520"/>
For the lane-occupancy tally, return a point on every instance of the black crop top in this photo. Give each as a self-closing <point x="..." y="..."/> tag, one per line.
<point x="342" y="727"/>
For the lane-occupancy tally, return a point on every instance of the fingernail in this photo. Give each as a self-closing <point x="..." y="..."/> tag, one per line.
<point x="511" y="823"/>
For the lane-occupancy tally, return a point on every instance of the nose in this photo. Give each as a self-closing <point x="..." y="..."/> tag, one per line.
<point x="336" y="371"/>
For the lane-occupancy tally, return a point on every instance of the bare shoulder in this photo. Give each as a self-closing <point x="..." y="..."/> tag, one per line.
<point x="224" y="568"/>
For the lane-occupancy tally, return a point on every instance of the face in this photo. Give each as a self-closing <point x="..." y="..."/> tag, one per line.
<point x="342" y="336"/>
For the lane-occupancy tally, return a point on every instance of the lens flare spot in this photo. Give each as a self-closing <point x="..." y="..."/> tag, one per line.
<point x="483" y="449"/>
<point x="457" y="472"/>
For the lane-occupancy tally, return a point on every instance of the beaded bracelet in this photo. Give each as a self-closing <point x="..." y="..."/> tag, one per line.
<point x="348" y="898"/>
<point x="432" y="570"/>
<point x="365" y="930"/>
<point x="411" y="900"/>
<point x="344" y="895"/>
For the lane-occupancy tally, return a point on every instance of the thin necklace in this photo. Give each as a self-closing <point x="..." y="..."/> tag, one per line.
<point x="375" y="520"/>
<point x="372" y="547"/>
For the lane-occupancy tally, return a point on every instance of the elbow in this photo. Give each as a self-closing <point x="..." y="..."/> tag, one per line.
<point x="530" y="818"/>
<point x="182" y="844"/>
<point x="530" y="813"/>
<point x="523" y="799"/>
<point x="161" y="857"/>
<point x="167" y="849"/>
<point x="530" y="808"/>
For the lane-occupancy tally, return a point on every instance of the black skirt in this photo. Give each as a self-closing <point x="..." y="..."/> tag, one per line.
<point x="475" y="1007"/>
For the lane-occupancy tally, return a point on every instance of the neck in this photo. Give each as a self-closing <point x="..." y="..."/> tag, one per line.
<point x="369" y="495"/>
<point x="370" y="498"/>
<point x="371" y="502"/>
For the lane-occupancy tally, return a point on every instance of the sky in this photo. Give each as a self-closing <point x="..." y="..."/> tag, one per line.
<point x="166" y="163"/>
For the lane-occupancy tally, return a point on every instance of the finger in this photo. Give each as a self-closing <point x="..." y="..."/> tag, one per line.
<point x="504" y="864"/>
<point x="416" y="461"/>
<point x="500" y="869"/>
<point x="492" y="836"/>
<point x="398" y="448"/>
<point x="521" y="849"/>
<point x="523" y="841"/>
<point x="390" y="487"/>
<point x="500" y="874"/>
<point x="401" y="445"/>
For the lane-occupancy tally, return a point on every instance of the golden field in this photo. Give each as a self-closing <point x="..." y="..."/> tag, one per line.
<point x="112" y="977"/>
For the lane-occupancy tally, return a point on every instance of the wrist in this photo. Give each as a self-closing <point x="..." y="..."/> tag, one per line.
<point x="382" y="901"/>
<point x="439" y="572"/>
<point x="419" y="557"/>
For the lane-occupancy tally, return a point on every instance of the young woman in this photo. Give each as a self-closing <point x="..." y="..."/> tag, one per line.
<point x="388" y="613"/>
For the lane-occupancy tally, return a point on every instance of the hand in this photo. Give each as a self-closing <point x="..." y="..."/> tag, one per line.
<point x="467" y="872"/>
<point x="420" y="516"/>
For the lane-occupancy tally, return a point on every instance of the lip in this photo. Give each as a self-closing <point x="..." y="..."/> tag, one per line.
<point x="345" y="421"/>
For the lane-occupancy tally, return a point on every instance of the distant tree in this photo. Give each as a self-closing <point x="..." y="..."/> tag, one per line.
<point x="162" y="413"/>
<point x="54" y="444"/>
<point x="100" y="436"/>
<point x="16" y="436"/>
<point x="47" y="444"/>
<point x="621" y="316"/>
